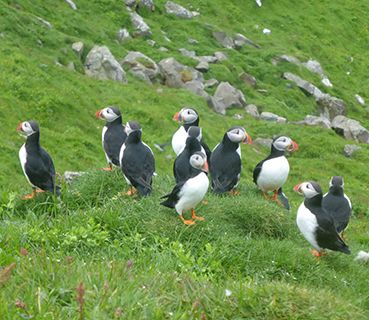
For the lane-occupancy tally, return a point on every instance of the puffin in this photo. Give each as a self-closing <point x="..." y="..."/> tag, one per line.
<point x="271" y="173"/>
<point x="113" y="135"/>
<point x="137" y="161"/>
<point x="188" y="193"/>
<point x="37" y="165"/>
<point x="181" y="166"/>
<point x="187" y="117"/>
<point x="225" y="161"/>
<point x="315" y="223"/>
<point x="338" y="204"/>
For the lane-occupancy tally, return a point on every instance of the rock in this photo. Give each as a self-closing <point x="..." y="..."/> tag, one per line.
<point x="229" y="95"/>
<point x="265" y="142"/>
<point x="316" y="121"/>
<point x="197" y="87"/>
<point x="142" y="67"/>
<point x="326" y="82"/>
<point x="350" y="129"/>
<point x="305" y="85"/>
<point x="237" y="116"/>
<point x="314" y="66"/>
<point x="70" y="176"/>
<point x="71" y="4"/>
<point x="208" y="59"/>
<point x="248" y="79"/>
<point x="203" y="66"/>
<point x="187" y="53"/>
<point x="101" y="64"/>
<point x="192" y="41"/>
<point x="350" y="149"/>
<point x="148" y="4"/>
<point x="216" y="105"/>
<point x="240" y="40"/>
<point x="176" y="74"/>
<point x="360" y="100"/>
<point x="267" y="31"/>
<point x="163" y="49"/>
<point x="71" y="66"/>
<point x="330" y="107"/>
<point x="259" y="3"/>
<point x="253" y="111"/>
<point x="142" y="29"/>
<point x="45" y="22"/>
<point x="225" y="40"/>
<point x="78" y="47"/>
<point x="211" y="83"/>
<point x="123" y="35"/>
<point x="268" y="116"/>
<point x="220" y="56"/>
<point x="286" y="58"/>
<point x="151" y="42"/>
<point x="177" y="10"/>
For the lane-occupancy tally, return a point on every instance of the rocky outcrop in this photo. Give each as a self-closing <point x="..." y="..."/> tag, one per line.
<point x="78" y="47"/>
<point x="268" y="116"/>
<point x="101" y="64"/>
<point x="350" y="129"/>
<point x="179" y="11"/>
<point x="142" y="29"/>
<point x="142" y="67"/>
<point x="123" y="35"/>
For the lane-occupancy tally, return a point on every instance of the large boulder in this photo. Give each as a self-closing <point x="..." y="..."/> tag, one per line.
<point x="350" y="129"/>
<point x="330" y="107"/>
<point x="179" y="11"/>
<point x="197" y="87"/>
<point x="101" y="64"/>
<point x="142" y="29"/>
<point x="226" y="96"/>
<point x="176" y="74"/>
<point x="142" y="67"/>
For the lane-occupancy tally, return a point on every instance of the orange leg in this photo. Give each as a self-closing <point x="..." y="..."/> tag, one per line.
<point x="132" y="191"/>
<point x="30" y="196"/>
<point x="110" y="168"/>
<point x="317" y="254"/>
<point x="234" y="192"/>
<point x="194" y="216"/>
<point x="187" y="222"/>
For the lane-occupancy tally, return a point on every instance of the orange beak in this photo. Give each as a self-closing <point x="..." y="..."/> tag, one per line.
<point x="248" y="139"/>
<point x="293" y="147"/>
<point x="205" y="167"/>
<point x="19" y="127"/>
<point x="98" y="114"/>
<point x="297" y="187"/>
<point x="176" y="117"/>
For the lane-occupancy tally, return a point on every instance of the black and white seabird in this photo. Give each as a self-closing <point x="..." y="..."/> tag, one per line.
<point x="226" y="162"/>
<point x="187" y="194"/>
<point x="271" y="173"/>
<point x="37" y="165"/>
<point x="137" y="161"/>
<point x="338" y="203"/>
<point x="315" y="223"/>
<point x="182" y="167"/>
<point x="113" y="134"/>
<point x="187" y="117"/>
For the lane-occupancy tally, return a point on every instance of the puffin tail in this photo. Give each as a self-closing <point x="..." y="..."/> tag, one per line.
<point x="342" y="247"/>
<point x="168" y="202"/>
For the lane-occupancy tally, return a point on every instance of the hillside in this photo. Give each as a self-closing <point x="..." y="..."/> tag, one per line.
<point x="133" y="256"/>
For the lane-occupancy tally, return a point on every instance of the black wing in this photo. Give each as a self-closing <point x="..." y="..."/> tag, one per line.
<point x="257" y="171"/>
<point x="173" y="197"/>
<point x="339" y="208"/>
<point x="113" y="141"/>
<point x="207" y="150"/>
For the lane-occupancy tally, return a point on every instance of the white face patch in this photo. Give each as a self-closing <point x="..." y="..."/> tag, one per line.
<point x="197" y="160"/>
<point x="282" y="143"/>
<point x="108" y="114"/>
<point x="188" y="115"/>
<point x="237" y="135"/>
<point x="308" y="190"/>
<point x="26" y="129"/>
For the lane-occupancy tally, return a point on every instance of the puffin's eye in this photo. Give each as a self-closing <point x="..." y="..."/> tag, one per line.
<point x="307" y="186"/>
<point x="188" y="112"/>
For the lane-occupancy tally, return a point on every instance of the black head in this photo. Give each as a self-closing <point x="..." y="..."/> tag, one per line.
<point x="28" y="128"/>
<point x="195" y="132"/>
<point x="336" y="182"/>
<point x="132" y="126"/>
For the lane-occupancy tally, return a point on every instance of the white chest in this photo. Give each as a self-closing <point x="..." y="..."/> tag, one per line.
<point x="307" y="224"/>
<point x="274" y="174"/>
<point x="179" y="140"/>
<point x="103" y="134"/>
<point x="23" y="160"/>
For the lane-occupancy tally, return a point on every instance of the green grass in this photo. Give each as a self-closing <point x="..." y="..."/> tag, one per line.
<point x="246" y="245"/>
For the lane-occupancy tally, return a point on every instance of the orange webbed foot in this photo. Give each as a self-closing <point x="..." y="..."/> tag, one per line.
<point x="234" y="192"/>
<point x="316" y="253"/>
<point x="131" y="192"/>
<point x="29" y="196"/>
<point x="195" y="217"/>
<point x="187" y="222"/>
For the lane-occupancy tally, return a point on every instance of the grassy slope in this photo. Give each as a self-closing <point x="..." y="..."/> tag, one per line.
<point x="254" y="251"/>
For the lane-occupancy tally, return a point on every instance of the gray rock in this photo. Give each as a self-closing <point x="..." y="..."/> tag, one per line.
<point x="314" y="66"/>
<point x="177" y="10"/>
<point x="360" y="100"/>
<point x="350" y="150"/>
<point x="151" y="42"/>
<point x="197" y="87"/>
<point x="211" y="83"/>
<point x="265" y="142"/>
<point x="220" y="56"/>
<point x="70" y="176"/>
<point x="237" y="116"/>
<point x="248" y="79"/>
<point x="71" y="4"/>
<point x="192" y="41"/>
<point x="187" y="53"/>
<point x="240" y="40"/>
<point x="142" y="29"/>
<point x="208" y="59"/>
<point x="316" y="121"/>
<point x="45" y="22"/>
<point x="350" y="129"/>
<point x="286" y="58"/>
<point x="268" y="116"/>
<point x="101" y="64"/>
<point x="330" y="107"/>
<point x="305" y="85"/>
<point x="142" y="67"/>
<point x="148" y="4"/>
<point x="225" y="40"/>
<point x="253" y="111"/>
<point x="229" y="95"/>
<point x="163" y="49"/>
<point x="176" y="74"/>
<point x="71" y="66"/>
<point x="123" y="35"/>
<point x="327" y="82"/>
<point x="216" y="105"/>
<point x="202" y="66"/>
<point x="78" y="47"/>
